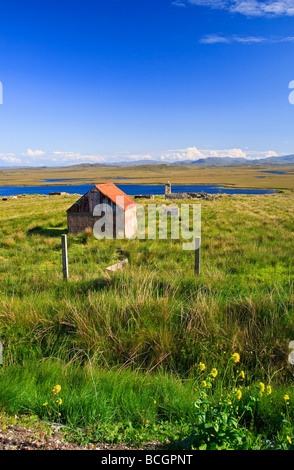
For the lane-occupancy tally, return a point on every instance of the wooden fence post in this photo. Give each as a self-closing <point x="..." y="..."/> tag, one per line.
<point x="197" y="255"/>
<point x="64" y="256"/>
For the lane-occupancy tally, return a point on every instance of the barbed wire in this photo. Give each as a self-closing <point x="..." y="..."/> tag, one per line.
<point x="96" y="251"/>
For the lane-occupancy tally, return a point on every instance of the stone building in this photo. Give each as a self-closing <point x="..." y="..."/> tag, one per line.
<point x="83" y="214"/>
<point x="170" y="195"/>
<point x="167" y="189"/>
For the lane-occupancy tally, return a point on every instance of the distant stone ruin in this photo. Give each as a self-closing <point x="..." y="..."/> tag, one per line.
<point x="57" y="193"/>
<point x="202" y="195"/>
<point x="144" y="196"/>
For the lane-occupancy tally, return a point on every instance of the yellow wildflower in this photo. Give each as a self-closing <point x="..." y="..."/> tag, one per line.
<point x="268" y="390"/>
<point x="56" y="389"/>
<point x="236" y="357"/>
<point x="201" y="366"/>
<point x="289" y="439"/>
<point x="59" y="401"/>
<point x="286" y="398"/>
<point x="239" y="394"/>
<point x="204" y="383"/>
<point x="45" y="404"/>
<point x="262" y="387"/>
<point x="214" y="372"/>
<point x="242" y="374"/>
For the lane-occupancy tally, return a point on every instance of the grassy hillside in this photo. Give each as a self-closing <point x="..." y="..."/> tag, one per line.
<point x="135" y="338"/>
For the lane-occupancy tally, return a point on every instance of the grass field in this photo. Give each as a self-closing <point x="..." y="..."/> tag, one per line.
<point x="231" y="177"/>
<point x="135" y="350"/>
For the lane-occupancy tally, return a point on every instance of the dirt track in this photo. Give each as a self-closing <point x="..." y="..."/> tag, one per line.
<point x="14" y="437"/>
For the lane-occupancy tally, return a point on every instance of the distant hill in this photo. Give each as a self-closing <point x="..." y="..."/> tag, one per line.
<point x="227" y="161"/>
<point x="214" y="161"/>
<point x="209" y="161"/>
<point x="141" y="162"/>
<point x="287" y="159"/>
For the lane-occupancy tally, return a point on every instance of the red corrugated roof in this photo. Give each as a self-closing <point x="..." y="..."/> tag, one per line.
<point x="111" y="191"/>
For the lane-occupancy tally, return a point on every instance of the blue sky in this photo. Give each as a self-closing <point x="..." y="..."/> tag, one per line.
<point x="111" y="80"/>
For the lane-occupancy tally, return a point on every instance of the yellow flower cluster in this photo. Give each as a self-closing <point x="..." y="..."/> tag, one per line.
<point x="56" y="389"/>
<point x="214" y="373"/>
<point x="238" y="394"/>
<point x="262" y="387"/>
<point x="236" y="357"/>
<point x="287" y="399"/>
<point x="242" y="375"/>
<point x="201" y="366"/>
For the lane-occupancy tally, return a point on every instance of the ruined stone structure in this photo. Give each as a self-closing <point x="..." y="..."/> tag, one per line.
<point x="167" y="189"/>
<point x="81" y="215"/>
<point x="202" y="195"/>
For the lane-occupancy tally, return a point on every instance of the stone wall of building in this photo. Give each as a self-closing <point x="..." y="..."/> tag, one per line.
<point x="78" y="222"/>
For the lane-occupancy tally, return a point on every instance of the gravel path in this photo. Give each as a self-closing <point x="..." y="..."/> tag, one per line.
<point x="15" y="437"/>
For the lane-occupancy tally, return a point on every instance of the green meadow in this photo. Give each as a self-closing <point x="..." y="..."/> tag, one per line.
<point x="152" y="351"/>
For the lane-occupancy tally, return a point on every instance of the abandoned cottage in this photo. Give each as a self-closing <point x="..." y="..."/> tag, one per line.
<point x="81" y="215"/>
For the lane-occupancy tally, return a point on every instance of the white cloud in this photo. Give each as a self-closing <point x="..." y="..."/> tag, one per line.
<point x="178" y="3"/>
<point x="34" y="153"/>
<point x="77" y="157"/>
<point x="135" y="156"/>
<point x="214" y="39"/>
<point x="218" y="38"/>
<point x="193" y="153"/>
<point x="250" y="8"/>
<point x="255" y="154"/>
<point x="66" y="154"/>
<point x="9" y="158"/>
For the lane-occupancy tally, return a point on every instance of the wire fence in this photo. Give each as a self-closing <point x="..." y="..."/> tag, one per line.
<point x="84" y="262"/>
